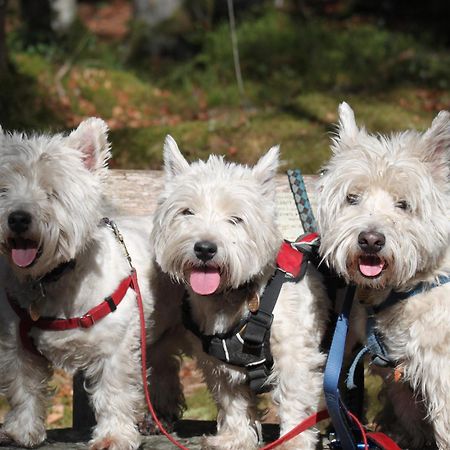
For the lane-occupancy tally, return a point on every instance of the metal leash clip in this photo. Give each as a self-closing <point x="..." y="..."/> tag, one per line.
<point x="111" y="224"/>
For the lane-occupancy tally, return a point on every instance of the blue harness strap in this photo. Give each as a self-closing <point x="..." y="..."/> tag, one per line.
<point x="340" y="417"/>
<point x="333" y="368"/>
<point x="374" y="342"/>
<point x="394" y="297"/>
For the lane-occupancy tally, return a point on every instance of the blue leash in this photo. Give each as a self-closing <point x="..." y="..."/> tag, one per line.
<point x="333" y="368"/>
<point x="335" y="405"/>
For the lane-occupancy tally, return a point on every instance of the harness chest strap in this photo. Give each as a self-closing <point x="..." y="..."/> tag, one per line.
<point x="107" y="306"/>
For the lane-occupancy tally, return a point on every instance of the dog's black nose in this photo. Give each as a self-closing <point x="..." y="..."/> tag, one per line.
<point x="205" y="250"/>
<point x="371" y="241"/>
<point x="19" y="221"/>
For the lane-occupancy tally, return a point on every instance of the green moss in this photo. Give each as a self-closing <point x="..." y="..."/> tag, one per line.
<point x="142" y="147"/>
<point x="200" y="405"/>
<point x="373" y="385"/>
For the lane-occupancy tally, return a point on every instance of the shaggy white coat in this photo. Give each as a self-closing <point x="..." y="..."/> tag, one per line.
<point x="234" y="206"/>
<point x="398" y="186"/>
<point x="58" y="180"/>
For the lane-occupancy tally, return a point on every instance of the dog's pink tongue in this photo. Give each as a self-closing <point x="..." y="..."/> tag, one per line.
<point x="370" y="266"/>
<point x="24" y="253"/>
<point x="204" y="281"/>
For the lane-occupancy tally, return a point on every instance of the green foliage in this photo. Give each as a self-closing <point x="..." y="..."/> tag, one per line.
<point x="295" y="71"/>
<point x="23" y="104"/>
<point x="282" y="55"/>
<point x="77" y="45"/>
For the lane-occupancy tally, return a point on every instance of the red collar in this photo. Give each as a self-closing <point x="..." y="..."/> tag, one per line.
<point x="108" y="305"/>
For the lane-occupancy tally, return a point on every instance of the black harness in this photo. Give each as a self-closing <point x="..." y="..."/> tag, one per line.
<point x="247" y="345"/>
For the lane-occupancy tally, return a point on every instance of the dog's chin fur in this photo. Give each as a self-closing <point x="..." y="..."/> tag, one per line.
<point x="58" y="181"/>
<point x="233" y="206"/>
<point x="397" y="186"/>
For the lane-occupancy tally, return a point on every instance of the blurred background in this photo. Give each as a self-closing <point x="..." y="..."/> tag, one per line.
<point x="232" y="77"/>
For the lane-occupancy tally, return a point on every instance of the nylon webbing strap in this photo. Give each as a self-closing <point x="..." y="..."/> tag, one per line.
<point x="260" y="322"/>
<point x="336" y="408"/>
<point x="302" y="202"/>
<point x="394" y="297"/>
<point x="257" y="329"/>
<point x="257" y="377"/>
<point x="332" y="373"/>
<point x="382" y="441"/>
<point x="374" y="345"/>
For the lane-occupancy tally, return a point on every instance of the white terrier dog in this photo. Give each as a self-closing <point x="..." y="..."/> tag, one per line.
<point x="60" y="261"/>
<point x="383" y="216"/>
<point x="215" y="234"/>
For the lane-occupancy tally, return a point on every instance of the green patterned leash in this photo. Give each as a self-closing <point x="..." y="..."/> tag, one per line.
<point x="302" y="202"/>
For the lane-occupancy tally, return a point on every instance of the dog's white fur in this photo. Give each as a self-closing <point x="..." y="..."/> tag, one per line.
<point x="58" y="180"/>
<point x="398" y="186"/>
<point x="234" y="207"/>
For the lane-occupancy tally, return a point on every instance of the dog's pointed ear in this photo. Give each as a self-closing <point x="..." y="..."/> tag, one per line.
<point x="437" y="146"/>
<point x="347" y="127"/>
<point x="174" y="161"/>
<point x="266" y="168"/>
<point x="91" y="139"/>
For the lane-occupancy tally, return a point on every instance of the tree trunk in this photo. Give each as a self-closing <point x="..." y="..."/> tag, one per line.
<point x="3" y="49"/>
<point x="37" y="18"/>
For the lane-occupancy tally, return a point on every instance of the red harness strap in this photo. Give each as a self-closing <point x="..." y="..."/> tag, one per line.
<point x="384" y="441"/>
<point x="108" y="305"/>
<point x="289" y="258"/>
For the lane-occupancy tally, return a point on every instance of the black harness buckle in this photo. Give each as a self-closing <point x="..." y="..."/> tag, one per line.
<point x="257" y="328"/>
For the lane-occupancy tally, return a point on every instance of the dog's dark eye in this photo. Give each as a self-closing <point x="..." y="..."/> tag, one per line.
<point x="402" y="204"/>
<point x="322" y="172"/>
<point x="353" y="199"/>
<point x="187" y="212"/>
<point x="235" y="220"/>
<point x="52" y="195"/>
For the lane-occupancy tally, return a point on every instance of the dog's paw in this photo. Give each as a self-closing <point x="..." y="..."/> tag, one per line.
<point x="148" y="427"/>
<point x="112" y="443"/>
<point x="101" y="444"/>
<point x="31" y="440"/>
<point x="227" y="442"/>
<point x="5" y="439"/>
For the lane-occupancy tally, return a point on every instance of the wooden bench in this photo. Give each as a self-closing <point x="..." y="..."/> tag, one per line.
<point x="135" y="192"/>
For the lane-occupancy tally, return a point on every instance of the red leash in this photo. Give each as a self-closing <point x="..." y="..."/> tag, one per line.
<point x="304" y="425"/>
<point x="312" y="420"/>
<point x="144" y="365"/>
